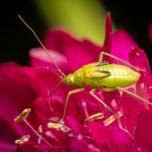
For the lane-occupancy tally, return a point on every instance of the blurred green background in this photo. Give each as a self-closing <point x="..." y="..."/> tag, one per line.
<point x="84" y="18"/>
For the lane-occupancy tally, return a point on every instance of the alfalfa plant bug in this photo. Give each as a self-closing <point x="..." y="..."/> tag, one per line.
<point x="100" y="74"/>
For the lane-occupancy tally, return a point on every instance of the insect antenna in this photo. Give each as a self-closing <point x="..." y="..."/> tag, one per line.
<point x="56" y="87"/>
<point x="42" y="45"/>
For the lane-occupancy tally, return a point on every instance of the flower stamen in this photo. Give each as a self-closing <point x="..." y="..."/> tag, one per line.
<point x="23" y="139"/>
<point x="112" y="118"/>
<point x="85" y="110"/>
<point x="40" y="129"/>
<point x="58" y="127"/>
<point x="95" y="116"/>
<point x="21" y="117"/>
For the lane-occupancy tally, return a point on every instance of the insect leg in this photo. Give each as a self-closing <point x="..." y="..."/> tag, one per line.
<point x="134" y="95"/>
<point x="118" y="59"/>
<point x="100" y="57"/>
<point x="101" y="101"/>
<point x="67" y="99"/>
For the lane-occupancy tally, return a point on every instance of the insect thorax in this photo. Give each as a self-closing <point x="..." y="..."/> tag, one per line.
<point x="74" y="79"/>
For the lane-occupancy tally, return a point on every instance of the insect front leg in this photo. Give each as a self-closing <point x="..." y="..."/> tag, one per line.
<point x="101" y="101"/>
<point x="67" y="99"/>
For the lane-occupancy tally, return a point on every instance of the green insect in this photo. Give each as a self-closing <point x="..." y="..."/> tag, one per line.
<point x="101" y="74"/>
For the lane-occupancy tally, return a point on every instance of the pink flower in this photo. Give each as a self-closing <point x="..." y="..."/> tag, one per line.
<point x="27" y="87"/>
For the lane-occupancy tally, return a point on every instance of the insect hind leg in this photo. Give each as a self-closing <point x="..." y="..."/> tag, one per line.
<point x="134" y="95"/>
<point x="118" y="59"/>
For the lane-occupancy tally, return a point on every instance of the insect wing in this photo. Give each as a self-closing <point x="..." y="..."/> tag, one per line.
<point x="97" y="74"/>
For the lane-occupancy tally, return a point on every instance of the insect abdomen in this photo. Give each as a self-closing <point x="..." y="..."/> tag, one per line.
<point x="120" y="76"/>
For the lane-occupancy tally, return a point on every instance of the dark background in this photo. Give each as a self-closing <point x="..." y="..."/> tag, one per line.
<point x="16" y="40"/>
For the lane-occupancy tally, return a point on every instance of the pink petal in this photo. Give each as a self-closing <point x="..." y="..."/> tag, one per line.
<point x="100" y="133"/>
<point x="143" y="131"/>
<point x="40" y="59"/>
<point x="45" y="108"/>
<point x="58" y="39"/>
<point x="122" y="44"/>
<point x="31" y="147"/>
<point x="8" y="134"/>
<point x="15" y="94"/>
<point x="138" y="58"/>
<point x="7" y="147"/>
<point x="120" y="141"/>
<point x="108" y="33"/>
<point x="83" y="145"/>
<point x="77" y="52"/>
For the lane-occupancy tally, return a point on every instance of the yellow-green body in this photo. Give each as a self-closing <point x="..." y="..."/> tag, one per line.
<point x="105" y="76"/>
